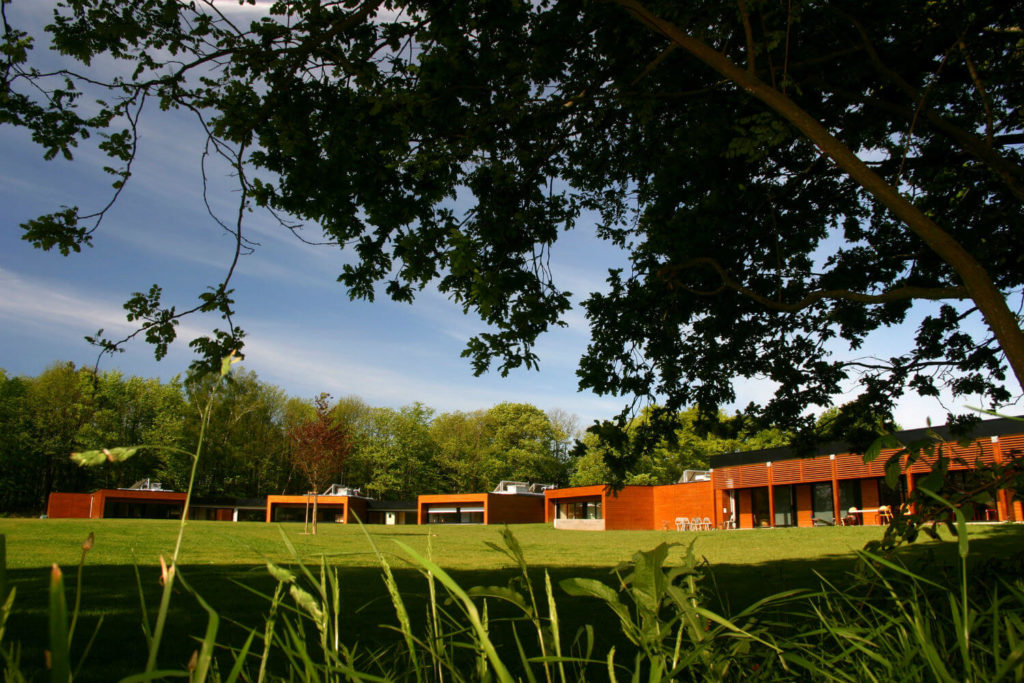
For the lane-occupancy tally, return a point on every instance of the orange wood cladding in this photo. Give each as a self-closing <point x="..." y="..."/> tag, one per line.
<point x="804" y="513"/>
<point x="745" y="519"/>
<point x="69" y="505"/>
<point x="104" y="496"/>
<point x="630" y="508"/>
<point x="504" y="508"/>
<point x="641" y="507"/>
<point x="499" y="508"/>
<point x="693" y="499"/>
<point x="346" y="504"/>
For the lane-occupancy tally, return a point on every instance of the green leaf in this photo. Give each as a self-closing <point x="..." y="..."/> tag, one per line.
<point x="883" y="442"/>
<point x="103" y="455"/>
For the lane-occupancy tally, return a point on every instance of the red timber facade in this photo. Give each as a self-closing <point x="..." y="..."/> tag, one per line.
<point x="771" y="487"/>
<point x="481" y="508"/>
<point x="122" y="503"/>
<point x="597" y="508"/>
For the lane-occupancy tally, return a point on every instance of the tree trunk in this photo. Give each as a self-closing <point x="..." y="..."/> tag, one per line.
<point x="314" y="511"/>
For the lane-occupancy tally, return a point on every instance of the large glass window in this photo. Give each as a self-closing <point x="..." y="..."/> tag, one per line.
<point x="467" y="514"/>
<point x="135" y="510"/>
<point x="822" y="506"/>
<point x="578" y="509"/>
<point x="893" y="497"/>
<point x="785" y="505"/>
<point x="759" y="500"/>
<point x="849" y="496"/>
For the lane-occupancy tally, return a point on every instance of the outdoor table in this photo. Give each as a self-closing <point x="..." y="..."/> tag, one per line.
<point x="861" y="511"/>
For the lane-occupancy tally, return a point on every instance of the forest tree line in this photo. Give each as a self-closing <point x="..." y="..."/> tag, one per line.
<point x="389" y="453"/>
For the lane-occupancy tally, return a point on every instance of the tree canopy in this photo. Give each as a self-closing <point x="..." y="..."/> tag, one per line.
<point x="258" y="440"/>
<point x="788" y="178"/>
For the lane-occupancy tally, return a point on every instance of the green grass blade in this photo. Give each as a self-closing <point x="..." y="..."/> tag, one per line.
<point x="60" y="659"/>
<point x="3" y="569"/>
<point x="88" y="646"/>
<point x="209" y="638"/>
<point x="236" y="668"/>
<point x="155" y="675"/>
<point x="404" y="623"/>
<point x="469" y="608"/>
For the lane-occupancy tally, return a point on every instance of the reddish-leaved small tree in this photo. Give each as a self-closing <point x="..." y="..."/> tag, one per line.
<point x="320" y="446"/>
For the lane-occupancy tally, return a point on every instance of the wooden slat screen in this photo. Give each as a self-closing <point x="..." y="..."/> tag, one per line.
<point x="755" y="474"/>
<point x="817" y="469"/>
<point x="786" y="472"/>
<point x="851" y="466"/>
<point x="1009" y="444"/>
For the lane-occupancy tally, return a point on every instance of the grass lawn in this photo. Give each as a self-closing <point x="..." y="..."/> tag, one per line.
<point x="221" y="559"/>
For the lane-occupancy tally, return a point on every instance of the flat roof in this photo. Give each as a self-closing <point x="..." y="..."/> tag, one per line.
<point x="996" y="427"/>
<point x="391" y="505"/>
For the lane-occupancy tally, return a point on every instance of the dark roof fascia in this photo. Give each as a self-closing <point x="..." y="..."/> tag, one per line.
<point x="254" y="503"/>
<point x="391" y="504"/>
<point x="986" y="428"/>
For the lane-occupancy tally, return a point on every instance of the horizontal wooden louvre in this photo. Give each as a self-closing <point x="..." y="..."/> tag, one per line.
<point x="979" y="451"/>
<point x="817" y="469"/>
<point x="786" y="472"/>
<point x="851" y="466"/>
<point x="1009" y="444"/>
<point x="753" y="475"/>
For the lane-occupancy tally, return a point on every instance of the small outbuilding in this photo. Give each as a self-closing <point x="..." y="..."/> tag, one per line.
<point x="511" y="502"/>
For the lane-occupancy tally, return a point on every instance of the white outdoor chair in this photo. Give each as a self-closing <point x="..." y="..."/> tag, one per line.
<point x="706" y="524"/>
<point x="682" y="523"/>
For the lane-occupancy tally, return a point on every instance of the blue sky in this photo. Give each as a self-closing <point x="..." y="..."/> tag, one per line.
<point x="304" y="335"/>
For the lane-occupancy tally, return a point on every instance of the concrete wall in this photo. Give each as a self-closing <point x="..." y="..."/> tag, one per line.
<point x="580" y="524"/>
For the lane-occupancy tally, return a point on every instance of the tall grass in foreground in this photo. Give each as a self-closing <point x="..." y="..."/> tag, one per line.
<point x="887" y="622"/>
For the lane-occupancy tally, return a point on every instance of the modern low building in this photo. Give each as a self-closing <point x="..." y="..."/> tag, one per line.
<point x="766" y="488"/>
<point x="145" y="499"/>
<point x="390" y="512"/>
<point x="511" y="502"/>
<point x="598" y="508"/>
<point x="338" y="503"/>
<point x="774" y="487"/>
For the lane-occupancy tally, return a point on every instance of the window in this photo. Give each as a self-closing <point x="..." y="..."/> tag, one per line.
<point x="579" y="509"/>
<point x="822" y="506"/>
<point x="785" y="505"/>
<point x="849" y="495"/>
<point x="462" y="514"/>
<point x="759" y="501"/>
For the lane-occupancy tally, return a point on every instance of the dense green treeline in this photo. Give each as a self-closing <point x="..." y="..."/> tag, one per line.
<point x="391" y="453"/>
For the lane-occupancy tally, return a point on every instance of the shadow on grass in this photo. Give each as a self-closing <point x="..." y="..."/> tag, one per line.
<point x="120" y="649"/>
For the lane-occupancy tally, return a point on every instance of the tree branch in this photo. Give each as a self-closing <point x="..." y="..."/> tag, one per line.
<point x="975" y="277"/>
<point x="1006" y="169"/>
<point x="670" y="274"/>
